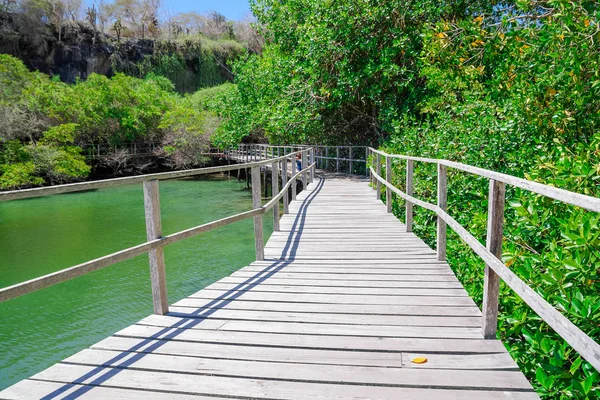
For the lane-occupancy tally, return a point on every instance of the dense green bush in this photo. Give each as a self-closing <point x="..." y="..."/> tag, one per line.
<point x="512" y="86"/>
<point x="47" y="123"/>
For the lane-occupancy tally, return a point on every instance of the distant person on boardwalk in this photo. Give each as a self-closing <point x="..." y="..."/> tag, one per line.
<point x="299" y="161"/>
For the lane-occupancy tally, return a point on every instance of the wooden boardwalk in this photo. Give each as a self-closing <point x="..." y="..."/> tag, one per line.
<point x="342" y="304"/>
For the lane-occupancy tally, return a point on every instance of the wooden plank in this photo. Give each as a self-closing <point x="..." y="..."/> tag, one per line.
<point x="463" y="361"/>
<point x="436" y="270"/>
<point x="252" y="353"/>
<point x="371" y="309"/>
<point x="332" y="324"/>
<point x="350" y="276"/>
<point x="350" y="343"/>
<point x="393" y="377"/>
<point x="34" y="389"/>
<point x="275" y="280"/>
<point x="190" y="308"/>
<point x="341" y="290"/>
<point x="267" y="389"/>
<point x="338" y="299"/>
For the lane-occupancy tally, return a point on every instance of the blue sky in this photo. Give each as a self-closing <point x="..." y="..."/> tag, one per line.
<point x="232" y="9"/>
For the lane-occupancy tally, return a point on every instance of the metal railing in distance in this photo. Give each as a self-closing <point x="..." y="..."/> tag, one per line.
<point x="155" y="240"/>
<point x="492" y="252"/>
<point x="342" y="159"/>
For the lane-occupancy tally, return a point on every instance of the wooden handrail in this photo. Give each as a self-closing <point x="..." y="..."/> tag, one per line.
<point x="576" y="199"/>
<point x="155" y="241"/>
<point x="579" y="340"/>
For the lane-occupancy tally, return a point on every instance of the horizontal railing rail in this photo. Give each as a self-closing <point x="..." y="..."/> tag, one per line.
<point x="492" y="252"/>
<point x="155" y="240"/>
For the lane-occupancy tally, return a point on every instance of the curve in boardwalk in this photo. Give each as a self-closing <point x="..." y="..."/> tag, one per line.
<point x="343" y="302"/>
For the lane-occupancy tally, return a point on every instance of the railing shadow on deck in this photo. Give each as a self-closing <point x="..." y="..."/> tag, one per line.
<point x="189" y="320"/>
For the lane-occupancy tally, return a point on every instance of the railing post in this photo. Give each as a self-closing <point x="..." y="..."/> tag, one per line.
<point x="367" y="172"/>
<point x="350" y="159"/>
<point x="388" y="179"/>
<point x="378" y="170"/>
<point x="284" y="178"/>
<point x="371" y="177"/>
<point x="259" y="243"/>
<point x="491" y="281"/>
<point x="294" y="181"/>
<point x="304" y="163"/>
<point x="326" y="166"/>
<point x="312" y="161"/>
<point x="275" y="190"/>
<point x="156" y="257"/>
<point x="337" y="159"/>
<point x="409" y="191"/>
<point x="442" y="203"/>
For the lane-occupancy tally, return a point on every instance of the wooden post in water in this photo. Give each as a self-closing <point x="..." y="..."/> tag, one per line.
<point x="284" y="179"/>
<point x="491" y="281"/>
<point x="409" y="191"/>
<point x="294" y="181"/>
<point x="275" y="192"/>
<point x="442" y="203"/>
<point x="378" y="185"/>
<point x="156" y="257"/>
<point x="259" y="243"/>
<point x="388" y="178"/>
<point x="304" y="164"/>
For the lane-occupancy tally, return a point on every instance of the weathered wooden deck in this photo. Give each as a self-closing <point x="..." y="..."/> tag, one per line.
<point x="343" y="302"/>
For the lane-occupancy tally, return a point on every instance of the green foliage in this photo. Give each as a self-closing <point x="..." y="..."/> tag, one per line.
<point x="18" y="175"/>
<point x="210" y="98"/>
<point x="48" y="122"/>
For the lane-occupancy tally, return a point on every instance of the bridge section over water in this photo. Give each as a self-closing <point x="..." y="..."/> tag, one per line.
<point x="342" y="304"/>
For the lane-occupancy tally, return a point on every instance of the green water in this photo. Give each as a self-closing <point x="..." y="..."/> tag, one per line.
<point x="43" y="235"/>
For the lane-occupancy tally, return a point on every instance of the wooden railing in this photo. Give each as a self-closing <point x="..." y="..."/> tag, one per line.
<point x="343" y="158"/>
<point x="97" y="150"/>
<point x="495" y="268"/>
<point x="155" y="239"/>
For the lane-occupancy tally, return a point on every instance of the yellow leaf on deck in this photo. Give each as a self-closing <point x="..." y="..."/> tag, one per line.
<point x="419" y="360"/>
